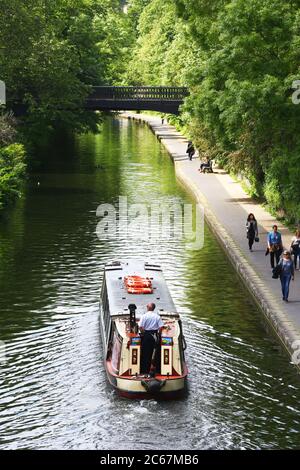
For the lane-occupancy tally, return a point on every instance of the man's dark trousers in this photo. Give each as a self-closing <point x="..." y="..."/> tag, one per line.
<point x="276" y="255"/>
<point x="148" y="345"/>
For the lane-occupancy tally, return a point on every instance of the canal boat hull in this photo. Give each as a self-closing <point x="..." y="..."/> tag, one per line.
<point x="132" y="387"/>
<point x="122" y="344"/>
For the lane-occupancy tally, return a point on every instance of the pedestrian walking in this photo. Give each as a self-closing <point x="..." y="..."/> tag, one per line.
<point x="286" y="266"/>
<point x="295" y="248"/>
<point x="274" y="245"/>
<point x="190" y="150"/>
<point x="252" y="230"/>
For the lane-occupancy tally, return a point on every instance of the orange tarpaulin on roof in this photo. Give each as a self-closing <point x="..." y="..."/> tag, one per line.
<point x="138" y="285"/>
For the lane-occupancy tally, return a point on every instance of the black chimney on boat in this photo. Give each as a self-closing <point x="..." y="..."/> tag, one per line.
<point x="132" y="319"/>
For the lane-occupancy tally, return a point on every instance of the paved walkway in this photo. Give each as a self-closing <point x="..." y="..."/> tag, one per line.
<point x="227" y="206"/>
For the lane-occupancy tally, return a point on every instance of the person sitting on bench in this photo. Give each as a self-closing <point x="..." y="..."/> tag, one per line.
<point x="206" y="166"/>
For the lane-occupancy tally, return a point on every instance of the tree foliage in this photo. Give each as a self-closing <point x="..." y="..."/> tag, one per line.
<point x="162" y="52"/>
<point x="53" y="51"/>
<point x="7" y="128"/>
<point x="12" y="160"/>
<point x="239" y="60"/>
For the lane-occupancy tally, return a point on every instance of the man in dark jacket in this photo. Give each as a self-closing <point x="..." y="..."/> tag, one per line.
<point x="190" y="149"/>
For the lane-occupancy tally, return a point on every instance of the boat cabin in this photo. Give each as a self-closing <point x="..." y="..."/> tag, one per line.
<point x="126" y="290"/>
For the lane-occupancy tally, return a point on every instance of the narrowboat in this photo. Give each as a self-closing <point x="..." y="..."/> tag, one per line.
<point x="126" y="290"/>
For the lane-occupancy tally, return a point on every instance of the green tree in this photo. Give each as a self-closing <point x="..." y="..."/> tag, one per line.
<point x="161" y="54"/>
<point x="53" y="51"/>
<point x="240" y="90"/>
<point x="239" y="60"/>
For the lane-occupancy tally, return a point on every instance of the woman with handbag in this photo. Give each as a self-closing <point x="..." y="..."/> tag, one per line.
<point x="252" y="230"/>
<point x="295" y="247"/>
<point x="286" y="266"/>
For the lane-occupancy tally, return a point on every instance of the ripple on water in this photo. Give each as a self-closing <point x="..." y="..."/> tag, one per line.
<point x="54" y="394"/>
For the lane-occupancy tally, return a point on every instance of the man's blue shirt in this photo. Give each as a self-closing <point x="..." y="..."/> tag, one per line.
<point x="274" y="238"/>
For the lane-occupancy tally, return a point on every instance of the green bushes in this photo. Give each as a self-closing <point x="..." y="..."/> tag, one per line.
<point x="281" y="189"/>
<point x="12" y="171"/>
<point x="12" y="160"/>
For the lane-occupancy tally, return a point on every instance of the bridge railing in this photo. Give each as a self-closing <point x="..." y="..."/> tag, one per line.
<point x="138" y="93"/>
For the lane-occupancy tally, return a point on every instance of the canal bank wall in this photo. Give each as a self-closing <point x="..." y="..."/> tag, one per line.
<point x="226" y="207"/>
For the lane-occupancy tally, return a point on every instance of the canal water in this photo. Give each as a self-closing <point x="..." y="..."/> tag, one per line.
<point x="243" y="393"/>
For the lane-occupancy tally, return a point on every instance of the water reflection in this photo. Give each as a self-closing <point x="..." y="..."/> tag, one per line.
<point x="243" y="393"/>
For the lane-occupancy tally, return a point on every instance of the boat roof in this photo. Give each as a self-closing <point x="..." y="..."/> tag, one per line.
<point x="119" y="298"/>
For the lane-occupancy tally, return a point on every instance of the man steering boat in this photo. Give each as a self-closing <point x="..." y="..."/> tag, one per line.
<point x="151" y="326"/>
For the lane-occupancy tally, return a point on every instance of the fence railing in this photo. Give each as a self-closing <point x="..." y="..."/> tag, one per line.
<point x="138" y="93"/>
